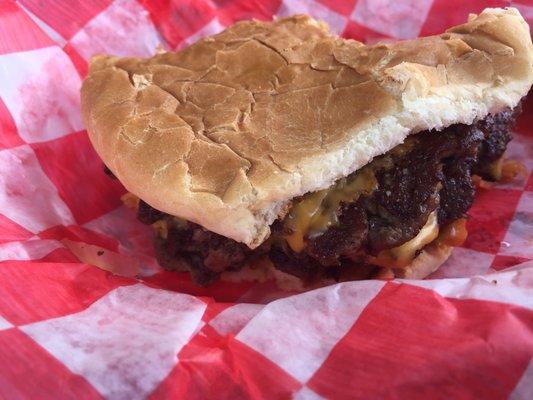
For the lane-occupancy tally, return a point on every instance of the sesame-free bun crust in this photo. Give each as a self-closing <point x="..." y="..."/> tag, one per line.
<point x="227" y="131"/>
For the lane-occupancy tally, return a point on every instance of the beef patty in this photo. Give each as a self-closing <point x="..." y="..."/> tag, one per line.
<point x="429" y="173"/>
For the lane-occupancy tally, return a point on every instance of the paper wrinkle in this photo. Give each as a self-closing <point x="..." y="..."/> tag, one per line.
<point x="305" y="327"/>
<point x="234" y="318"/>
<point x="524" y="389"/>
<point x="513" y="286"/>
<point x="125" y="263"/>
<point x="28" y="250"/>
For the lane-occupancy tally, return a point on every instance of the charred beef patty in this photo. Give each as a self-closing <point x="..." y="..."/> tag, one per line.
<point x="429" y="176"/>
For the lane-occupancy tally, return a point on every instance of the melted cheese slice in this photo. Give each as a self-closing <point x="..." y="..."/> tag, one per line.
<point x="316" y="212"/>
<point x="401" y="256"/>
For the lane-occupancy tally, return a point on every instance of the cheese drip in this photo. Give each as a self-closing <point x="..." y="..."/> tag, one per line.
<point x="316" y="212"/>
<point x="403" y="255"/>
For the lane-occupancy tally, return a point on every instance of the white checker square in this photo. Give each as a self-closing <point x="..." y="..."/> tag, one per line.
<point x="123" y="29"/>
<point x="4" y="324"/>
<point x="127" y="342"/>
<point x="336" y="22"/>
<point x="298" y="333"/>
<point x="27" y="196"/>
<point x="403" y="19"/>
<point x="518" y="240"/>
<point x="41" y="89"/>
<point x="464" y="263"/>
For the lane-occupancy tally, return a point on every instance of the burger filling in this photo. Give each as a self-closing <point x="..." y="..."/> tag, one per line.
<point x="375" y="220"/>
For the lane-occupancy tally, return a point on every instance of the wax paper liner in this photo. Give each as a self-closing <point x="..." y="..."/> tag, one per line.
<point x="71" y="329"/>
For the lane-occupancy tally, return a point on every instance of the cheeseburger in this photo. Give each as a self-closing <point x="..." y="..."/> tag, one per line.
<point x="278" y="148"/>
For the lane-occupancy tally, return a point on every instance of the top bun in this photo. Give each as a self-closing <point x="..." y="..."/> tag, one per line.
<point x="227" y="131"/>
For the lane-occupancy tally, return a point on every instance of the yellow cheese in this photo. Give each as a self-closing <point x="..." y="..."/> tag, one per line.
<point x="161" y="227"/>
<point x="495" y="169"/>
<point x="317" y="211"/>
<point x="401" y="256"/>
<point x="179" y="222"/>
<point x="130" y="200"/>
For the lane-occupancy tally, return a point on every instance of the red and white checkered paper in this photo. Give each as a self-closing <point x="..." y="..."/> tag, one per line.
<point x="70" y="329"/>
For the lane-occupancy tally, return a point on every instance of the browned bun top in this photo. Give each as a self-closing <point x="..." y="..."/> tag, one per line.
<point x="225" y="132"/>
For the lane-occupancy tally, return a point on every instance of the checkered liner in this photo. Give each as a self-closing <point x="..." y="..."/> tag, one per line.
<point x="70" y="329"/>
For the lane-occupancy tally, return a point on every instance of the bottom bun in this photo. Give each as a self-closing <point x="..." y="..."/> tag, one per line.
<point x="427" y="262"/>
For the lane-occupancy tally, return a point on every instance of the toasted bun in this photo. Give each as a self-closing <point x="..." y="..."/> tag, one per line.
<point x="227" y="131"/>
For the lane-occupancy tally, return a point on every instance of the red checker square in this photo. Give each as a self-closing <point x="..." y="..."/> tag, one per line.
<point x="8" y="129"/>
<point x="18" y="32"/>
<point x="230" y="11"/>
<point x="359" y="32"/>
<point x="79" y="62"/>
<point x="490" y="216"/>
<point x="27" y="370"/>
<point x="178" y="19"/>
<point x="226" y="292"/>
<point x="342" y="7"/>
<point x="66" y="18"/>
<point x="446" y="13"/>
<point x="502" y="262"/>
<point x="76" y="170"/>
<point x="80" y="234"/>
<point x="11" y="231"/>
<point x="414" y="344"/>
<point x="213" y="367"/>
<point x="33" y="291"/>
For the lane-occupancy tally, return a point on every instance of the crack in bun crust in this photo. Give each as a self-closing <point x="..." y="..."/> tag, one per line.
<point x="227" y="131"/>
